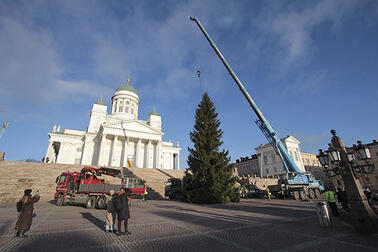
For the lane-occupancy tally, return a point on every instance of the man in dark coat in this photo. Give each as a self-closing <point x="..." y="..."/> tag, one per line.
<point x="121" y="205"/>
<point x="25" y="218"/>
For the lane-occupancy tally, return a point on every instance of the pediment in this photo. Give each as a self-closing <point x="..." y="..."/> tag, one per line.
<point x="132" y="126"/>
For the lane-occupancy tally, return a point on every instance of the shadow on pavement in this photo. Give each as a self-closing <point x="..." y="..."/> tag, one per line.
<point x="96" y="221"/>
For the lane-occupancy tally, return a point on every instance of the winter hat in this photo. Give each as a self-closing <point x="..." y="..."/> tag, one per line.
<point x="27" y="192"/>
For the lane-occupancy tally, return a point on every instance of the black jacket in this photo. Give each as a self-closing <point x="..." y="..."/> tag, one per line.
<point x="121" y="205"/>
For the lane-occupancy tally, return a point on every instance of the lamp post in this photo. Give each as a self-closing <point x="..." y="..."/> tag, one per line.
<point x="362" y="215"/>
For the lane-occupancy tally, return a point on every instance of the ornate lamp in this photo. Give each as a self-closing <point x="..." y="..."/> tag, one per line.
<point x="323" y="158"/>
<point x="362" y="151"/>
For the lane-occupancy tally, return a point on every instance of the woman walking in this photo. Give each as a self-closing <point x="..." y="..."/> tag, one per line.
<point x="25" y="218"/>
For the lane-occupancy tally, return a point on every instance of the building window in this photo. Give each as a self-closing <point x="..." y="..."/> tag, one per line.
<point x="120" y="109"/>
<point x="275" y="169"/>
<point x="265" y="160"/>
<point x="296" y="155"/>
<point x="132" y="111"/>
<point x="291" y="154"/>
<point x="77" y="160"/>
<point x="267" y="171"/>
<point x="273" y="158"/>
<point x="78" y="149"/>
<point x="127" y="109"/>
<point x="367" y="180"/>
<point x="127" y="102"/>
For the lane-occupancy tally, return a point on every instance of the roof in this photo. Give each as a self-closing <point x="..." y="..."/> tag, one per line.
<point x="100" y="102"/>
<point x="127" y="87"/>
<point x="154" y="112"/>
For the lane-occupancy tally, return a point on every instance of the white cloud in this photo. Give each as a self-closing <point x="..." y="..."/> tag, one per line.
<point x="292" y="27"/>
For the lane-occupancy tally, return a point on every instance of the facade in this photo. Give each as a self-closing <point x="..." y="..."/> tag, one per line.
<point x="312" y="164"/>
<point x="267" y="163"/>
<point x="271" y="164"/>
<point x="248" y="166"/>
<point x="117" y="139"/>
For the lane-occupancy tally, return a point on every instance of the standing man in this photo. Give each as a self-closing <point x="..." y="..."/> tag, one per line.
<point x="330" y="197"/>
<point x="342" y="198"/>
<point x="268" y="193"/>
<point x="121" y="204"/>
<point x="24" y="220"/>
<point x="145" y="194"/>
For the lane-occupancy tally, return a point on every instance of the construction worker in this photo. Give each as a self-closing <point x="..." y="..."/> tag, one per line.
<point x="330" y="197"/>
<point x="268" y="193"/>
<point x="145" y="194"/>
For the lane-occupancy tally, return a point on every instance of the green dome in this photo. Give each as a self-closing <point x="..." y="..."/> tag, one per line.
<point x="127" y="87"/>
<point x="154" y="112"/>
<point x="100" y="102"/>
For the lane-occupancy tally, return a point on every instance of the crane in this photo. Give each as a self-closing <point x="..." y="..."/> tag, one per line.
<point x="294" y="176"/>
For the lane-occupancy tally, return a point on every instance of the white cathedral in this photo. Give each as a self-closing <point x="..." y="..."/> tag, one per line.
<point x="117" y="139"/>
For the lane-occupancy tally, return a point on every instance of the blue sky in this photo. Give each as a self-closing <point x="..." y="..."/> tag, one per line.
<point x="309" y="65"/>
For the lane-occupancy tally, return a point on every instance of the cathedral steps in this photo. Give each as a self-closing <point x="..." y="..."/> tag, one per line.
<point x="18" y="176"/>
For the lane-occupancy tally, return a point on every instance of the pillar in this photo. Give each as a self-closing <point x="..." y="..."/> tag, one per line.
<point x="125" y="144"/>
<point x="148" y="156"/>
<point x="49" y="148"/>
<point x="113" y="151"/>
<point x="100" y="153"/>
<point x="137" y="154"/>
<point x="178" y="161"/>
<point x="158" y="154"/>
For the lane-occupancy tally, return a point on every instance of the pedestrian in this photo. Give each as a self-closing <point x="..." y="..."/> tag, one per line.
<point x="121" y="205"/>
<point x="110" y="213"/>
<point x="47" y="159"/>
<point x="342" y="198"/>
<point x="24" y="220"/>
<point x="268" y="193"/>
<point x="145" y="194"/>
<point x="330" y="197"/>
<point x="43" y="159"/>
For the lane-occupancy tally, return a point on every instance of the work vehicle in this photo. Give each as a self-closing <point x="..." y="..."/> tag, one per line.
<point x="294" y="182"/>
<point x="85" y="187"/>
<point x="172" y="188"/>
<point x="255" y="192"/>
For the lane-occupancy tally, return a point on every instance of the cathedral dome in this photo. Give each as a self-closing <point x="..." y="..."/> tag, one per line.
<point x="127" y="87"/>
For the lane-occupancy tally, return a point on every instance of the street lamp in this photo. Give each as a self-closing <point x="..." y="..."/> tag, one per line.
<point x="337" y="161"/>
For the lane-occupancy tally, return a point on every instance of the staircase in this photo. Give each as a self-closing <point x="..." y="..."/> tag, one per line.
<point x="18" y="176"/>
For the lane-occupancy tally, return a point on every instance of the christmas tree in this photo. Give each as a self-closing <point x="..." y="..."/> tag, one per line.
<point x="209" y="178"/>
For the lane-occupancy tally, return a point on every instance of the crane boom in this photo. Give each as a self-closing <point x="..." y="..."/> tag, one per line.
<point x="263" y="124"/>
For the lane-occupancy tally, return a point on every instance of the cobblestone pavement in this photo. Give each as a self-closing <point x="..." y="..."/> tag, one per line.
<point x="251" y="225"/>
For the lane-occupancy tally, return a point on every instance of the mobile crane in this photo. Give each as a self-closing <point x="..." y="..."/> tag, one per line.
<point x="293" y="183"/>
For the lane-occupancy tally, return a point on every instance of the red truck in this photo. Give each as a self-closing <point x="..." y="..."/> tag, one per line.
<point x="85" y="187"/>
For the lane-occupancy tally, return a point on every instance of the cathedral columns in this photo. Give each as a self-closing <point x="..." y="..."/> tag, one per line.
<point x="148" y="156"/>
<point x="158" y="154"/>
<point x="178" y="161"/>
<point x="49" y="149"/>
<point x="137" y="154"/>
<point x="125" y="152"/>
<point x="113" y="151"/>
<point x="102" y="146"/>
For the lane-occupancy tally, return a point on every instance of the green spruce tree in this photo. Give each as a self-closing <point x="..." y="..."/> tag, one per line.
<point x="209" y="178"/>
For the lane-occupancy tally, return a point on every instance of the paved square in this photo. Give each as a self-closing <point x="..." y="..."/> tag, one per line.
<point x="251" y="225"/>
